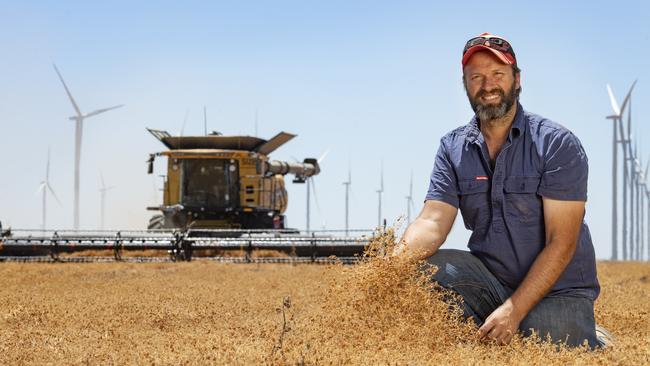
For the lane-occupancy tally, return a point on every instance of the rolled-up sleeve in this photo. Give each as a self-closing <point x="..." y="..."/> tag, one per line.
<point x="443" y="185"/>
<point x="565" y="170"/>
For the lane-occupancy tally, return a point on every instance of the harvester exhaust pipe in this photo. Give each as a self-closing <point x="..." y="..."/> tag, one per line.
<point x="150" y="161"/>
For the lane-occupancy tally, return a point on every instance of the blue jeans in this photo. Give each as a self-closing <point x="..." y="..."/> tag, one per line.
<point x="563" y="318"/>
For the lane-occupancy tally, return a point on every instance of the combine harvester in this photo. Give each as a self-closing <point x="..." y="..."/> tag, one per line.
<point x="224" y="199"/>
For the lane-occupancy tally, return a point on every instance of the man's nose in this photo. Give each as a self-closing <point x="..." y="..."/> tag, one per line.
<point x="489" y="83"/>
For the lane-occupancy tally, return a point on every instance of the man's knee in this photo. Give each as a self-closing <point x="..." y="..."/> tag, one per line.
<point x="452" y="265"/>
<point x="568" y="320"/>
<point x="464" y="274"/>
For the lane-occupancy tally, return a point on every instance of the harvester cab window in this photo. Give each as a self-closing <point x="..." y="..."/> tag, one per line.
<point x="210" y="184"/>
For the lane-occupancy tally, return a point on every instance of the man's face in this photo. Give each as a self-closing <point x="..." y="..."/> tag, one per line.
<point x="490" y="85"/>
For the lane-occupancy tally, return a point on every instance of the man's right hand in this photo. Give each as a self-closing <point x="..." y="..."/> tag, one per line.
<point x="427" y="233"/>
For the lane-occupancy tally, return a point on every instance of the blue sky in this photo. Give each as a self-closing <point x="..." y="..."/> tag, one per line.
<point x="368" y="80"/>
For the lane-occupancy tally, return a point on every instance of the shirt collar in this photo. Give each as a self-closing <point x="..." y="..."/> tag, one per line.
<point x="473" y="131"/>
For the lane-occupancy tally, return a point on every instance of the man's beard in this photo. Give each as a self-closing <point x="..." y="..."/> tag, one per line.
<point x="488" y="112"/>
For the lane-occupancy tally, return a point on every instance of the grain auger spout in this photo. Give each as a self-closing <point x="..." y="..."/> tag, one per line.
<point x="308" y="168"/>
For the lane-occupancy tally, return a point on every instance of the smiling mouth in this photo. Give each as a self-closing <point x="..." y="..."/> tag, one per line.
<point x="490" y="98"/>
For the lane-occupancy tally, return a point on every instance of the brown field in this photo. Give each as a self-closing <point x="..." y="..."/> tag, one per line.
<point x="210" y="313"/>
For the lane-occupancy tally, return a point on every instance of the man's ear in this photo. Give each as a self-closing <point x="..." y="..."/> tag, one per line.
<point x="518" y="80"/>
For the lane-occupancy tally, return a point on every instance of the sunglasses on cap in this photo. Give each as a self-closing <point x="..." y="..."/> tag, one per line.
<point x="496" y="43"/>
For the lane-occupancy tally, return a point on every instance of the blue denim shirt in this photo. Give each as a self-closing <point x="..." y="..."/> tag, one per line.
<point x="503" y="207"/>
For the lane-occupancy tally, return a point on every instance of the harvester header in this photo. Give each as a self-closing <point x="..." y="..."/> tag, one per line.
<point x="221" y="194"/>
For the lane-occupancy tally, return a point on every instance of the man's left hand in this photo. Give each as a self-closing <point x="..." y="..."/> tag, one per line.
<point x="501" y="325"/>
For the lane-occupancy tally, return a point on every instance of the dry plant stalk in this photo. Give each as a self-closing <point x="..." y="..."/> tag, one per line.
<point x="375" y="305"/>
<point x="286" y="305"/>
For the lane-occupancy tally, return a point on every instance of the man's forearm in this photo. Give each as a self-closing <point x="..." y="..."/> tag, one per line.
<point x="562" y="223"/>
<point x="545" y="271"/>
<point x="421" y="239"/>
<point x="429" y="230"/>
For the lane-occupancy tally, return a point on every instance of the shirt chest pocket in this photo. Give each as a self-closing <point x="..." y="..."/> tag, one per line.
<point x="474" y="196"/>
<point x="521" y="199"/>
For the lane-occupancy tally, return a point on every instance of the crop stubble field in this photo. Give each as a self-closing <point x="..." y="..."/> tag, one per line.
<point x="378" y="312"/>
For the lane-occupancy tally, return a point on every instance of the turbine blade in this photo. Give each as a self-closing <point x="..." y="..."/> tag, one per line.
<point x="40" y="188"/>
<point x="94" y="113"/>
<point x="74" y="104"/>
<point x="322" y="157"/>
<point x="54" y="195"/>
<point x="612" y="100"/>
<point x="627" y="98"/>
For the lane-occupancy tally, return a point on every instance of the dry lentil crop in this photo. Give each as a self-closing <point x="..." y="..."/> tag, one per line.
<point x="377" y="312"/>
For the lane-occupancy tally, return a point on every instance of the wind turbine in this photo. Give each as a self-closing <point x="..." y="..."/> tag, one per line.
<point x="617" y="121"/>
<point x="379" y="193"/>
<point x="102" y="190"/>
<point x="79" y="119"/>
<point x="409" y="201"/>
<point x="44" y="187"/>
<point x="630" y="178"/>
<point x="347" y="200"/>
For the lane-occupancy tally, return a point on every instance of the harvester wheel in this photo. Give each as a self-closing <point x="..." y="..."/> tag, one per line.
<point x="156" y="222"/>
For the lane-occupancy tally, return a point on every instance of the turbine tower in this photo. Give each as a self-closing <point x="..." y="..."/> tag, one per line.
<point x="44" y="187"/>
<point x="347" y="201"/>
<point x="79" y="119"/>
<point x="379" y="193"/>
<point x="629" y="178"/>
<point x="642" y="188"/>
<point x="617" y="121"/>
<point x="646" y="191"/>
<point x="308" y="210"/>
<point x="311" y="186"/>
<point x="102" y="191"/>
<point x="409" y="201"/>
<point x="638" y="172"/>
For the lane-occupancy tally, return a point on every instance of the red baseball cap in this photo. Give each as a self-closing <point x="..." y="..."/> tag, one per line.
<point x="499" y="46"/>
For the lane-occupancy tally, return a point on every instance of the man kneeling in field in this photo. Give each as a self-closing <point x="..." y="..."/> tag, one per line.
<point x="520" y="181"/>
